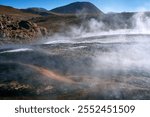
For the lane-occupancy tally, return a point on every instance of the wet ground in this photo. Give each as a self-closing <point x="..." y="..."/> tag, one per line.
<point x="95" y="67"/>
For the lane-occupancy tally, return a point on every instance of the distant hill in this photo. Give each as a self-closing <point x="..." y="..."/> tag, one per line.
<point x="78" y="7"/>
<point x="36" y="10"/>
<point x="7" y="10"/>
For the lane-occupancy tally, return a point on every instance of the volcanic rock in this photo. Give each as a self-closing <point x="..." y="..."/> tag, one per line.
<point x="13" y="29"/>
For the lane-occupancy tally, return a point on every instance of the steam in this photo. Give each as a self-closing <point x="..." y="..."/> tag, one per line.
<point x="126" y="62"/>
<point x="16" y="50"/>
<point x="125" y="58"/>
<point x="139" y="23"/>
<point x="119" y="60"/>
<point x="142" y="23"/>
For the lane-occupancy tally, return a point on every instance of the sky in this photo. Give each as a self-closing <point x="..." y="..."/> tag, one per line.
<point x="103" y="5"/>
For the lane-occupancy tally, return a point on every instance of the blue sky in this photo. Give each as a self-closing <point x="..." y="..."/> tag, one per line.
<point x="104" y="5"/>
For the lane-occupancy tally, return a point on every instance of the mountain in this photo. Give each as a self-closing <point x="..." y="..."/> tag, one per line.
<point x="78" y="7"/>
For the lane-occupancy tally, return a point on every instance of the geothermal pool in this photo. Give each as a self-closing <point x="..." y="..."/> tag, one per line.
<point x="114" y="66"/>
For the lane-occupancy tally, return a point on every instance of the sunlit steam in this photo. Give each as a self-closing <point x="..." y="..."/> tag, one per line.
<point x="95" y="58"/>
<point x="141" y="23"/>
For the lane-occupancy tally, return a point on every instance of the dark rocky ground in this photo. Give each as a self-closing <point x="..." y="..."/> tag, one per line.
<point x="72" y="71"/>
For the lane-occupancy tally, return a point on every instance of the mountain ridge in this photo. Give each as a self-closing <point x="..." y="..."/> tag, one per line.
<point x="76" y="7"/>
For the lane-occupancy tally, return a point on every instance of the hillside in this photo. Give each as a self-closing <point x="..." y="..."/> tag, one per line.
<point x="78" y="7"/>
<point x="19" y="31"/>
<point x="15" y="27"/>
<point x="7" y="10"/>
<point x="38" y="11"/>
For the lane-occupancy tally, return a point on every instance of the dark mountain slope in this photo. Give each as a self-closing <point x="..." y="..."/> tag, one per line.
<point x="78" y="7"/>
